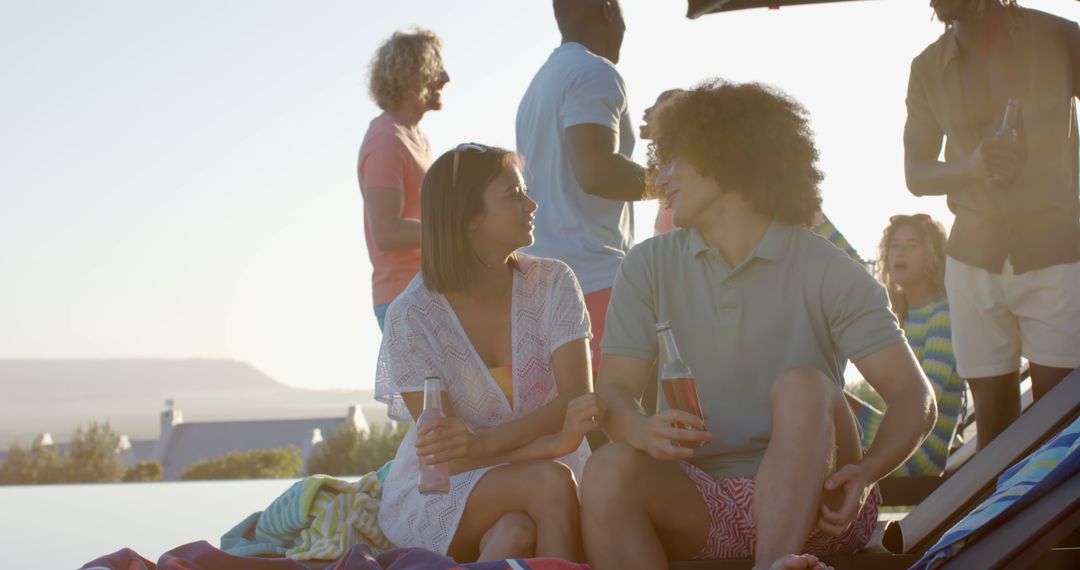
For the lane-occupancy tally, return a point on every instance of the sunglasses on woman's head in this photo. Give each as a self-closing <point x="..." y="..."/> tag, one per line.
<point x="465" y="147"/>
<point x="901" y="217"/>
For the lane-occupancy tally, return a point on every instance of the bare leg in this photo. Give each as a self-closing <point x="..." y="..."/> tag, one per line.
<point x="813" y="433"/>
<point x="543" y="490"/>
<point x="997" y="404"/>
<point x="513" y="536"/>
<point x="1044" y="378"/>
<point x="638" y="512"/>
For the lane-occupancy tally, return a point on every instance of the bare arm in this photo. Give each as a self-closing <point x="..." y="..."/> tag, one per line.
<point x="925" y="174"/>
<point x="391" y="231"/>
<point x="910" y="413"/>
<point x="910" y="416"/>
<point x="570" y="365"/>
<point x="599" y="168"/>
<point x="620" y="385"/>
<point x="928" y="176"/>
<point x="996" y="160"/>
<point x="580" y="417"/>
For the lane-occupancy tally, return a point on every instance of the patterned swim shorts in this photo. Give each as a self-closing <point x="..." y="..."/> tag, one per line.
<point x="729" y="501"/>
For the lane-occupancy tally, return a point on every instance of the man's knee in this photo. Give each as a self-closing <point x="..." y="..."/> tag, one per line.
<point x="805" y="387"/>
<point x="611" y="463"/>
<point x="610" y="470"/>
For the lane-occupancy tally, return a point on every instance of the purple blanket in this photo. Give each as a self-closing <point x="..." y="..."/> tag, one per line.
<point x="201" y="556"/>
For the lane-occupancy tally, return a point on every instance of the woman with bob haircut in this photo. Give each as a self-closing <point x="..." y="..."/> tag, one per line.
<point x="912" y="267"/>
<point x="508" y="334"/>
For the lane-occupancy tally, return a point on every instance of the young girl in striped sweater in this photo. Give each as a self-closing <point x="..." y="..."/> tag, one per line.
<point x="911" y="264"/>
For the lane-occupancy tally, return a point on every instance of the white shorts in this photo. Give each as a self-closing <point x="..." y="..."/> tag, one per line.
<point x="996" y="318"/>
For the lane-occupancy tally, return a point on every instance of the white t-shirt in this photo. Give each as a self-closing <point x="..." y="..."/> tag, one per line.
<point x="590" y="234"/>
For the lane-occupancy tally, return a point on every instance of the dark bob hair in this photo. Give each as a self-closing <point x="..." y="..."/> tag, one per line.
<point x="452" y="195"/>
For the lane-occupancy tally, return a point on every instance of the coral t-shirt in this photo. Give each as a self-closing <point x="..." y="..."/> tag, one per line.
<point x="392" y="157"/>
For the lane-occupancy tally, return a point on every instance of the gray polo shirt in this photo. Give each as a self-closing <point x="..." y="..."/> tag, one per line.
<point x="797" y="301"/>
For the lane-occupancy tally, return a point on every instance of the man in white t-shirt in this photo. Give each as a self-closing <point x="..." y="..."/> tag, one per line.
<point x="574" y="132"/>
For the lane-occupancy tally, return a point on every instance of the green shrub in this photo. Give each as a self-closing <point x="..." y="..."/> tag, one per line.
<point x="91" y="458"/>
<point x="92" y="455"/>
<point x="39" y="464"/>
<point x="255" y="464"/>
<point x="144" y="471"/>
<point x="351" y="452"/>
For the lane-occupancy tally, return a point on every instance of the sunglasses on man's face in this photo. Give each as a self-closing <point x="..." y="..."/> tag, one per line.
<point x="462" y="148"/>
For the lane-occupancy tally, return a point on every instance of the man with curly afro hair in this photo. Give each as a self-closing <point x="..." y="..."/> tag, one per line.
<point x="406" y="81"/>
<point x="766" y="314"/>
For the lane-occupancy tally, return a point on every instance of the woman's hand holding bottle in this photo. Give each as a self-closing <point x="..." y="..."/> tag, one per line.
<point x="445" y="439"/>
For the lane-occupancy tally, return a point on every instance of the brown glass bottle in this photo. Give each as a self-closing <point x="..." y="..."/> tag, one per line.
<point x="676" y="379"/>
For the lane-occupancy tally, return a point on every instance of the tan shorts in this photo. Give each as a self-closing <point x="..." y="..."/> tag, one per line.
<point x="996" y="318"/>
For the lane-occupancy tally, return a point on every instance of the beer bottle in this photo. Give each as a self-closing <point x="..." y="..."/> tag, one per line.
<point x="1010" y="121"/>
<point x="676" y="379"/>
<point x="1010" y="130"/>
<point x="433" y="478"/>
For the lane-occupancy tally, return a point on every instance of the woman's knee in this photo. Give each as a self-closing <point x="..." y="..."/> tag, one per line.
<point x="552" y="484"/>
<point x="552" y="475"/>
<point x="515" y="532"/>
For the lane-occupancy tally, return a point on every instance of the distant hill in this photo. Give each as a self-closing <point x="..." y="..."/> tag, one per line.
<point x="57" y="395"/>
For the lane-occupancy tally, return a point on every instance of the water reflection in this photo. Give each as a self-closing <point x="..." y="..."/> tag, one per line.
<point x="82" y="522"/>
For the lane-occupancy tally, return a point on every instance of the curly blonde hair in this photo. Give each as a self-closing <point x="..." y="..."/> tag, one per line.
<point x="409" y="57"/>
<point x="933" y="236"/>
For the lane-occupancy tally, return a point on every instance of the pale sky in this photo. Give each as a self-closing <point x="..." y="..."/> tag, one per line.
<point x="178" y="179"/>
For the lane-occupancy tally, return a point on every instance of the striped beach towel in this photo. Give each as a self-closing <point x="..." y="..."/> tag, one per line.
<point x="342" y="514"/>
<point x="1017" y="487"/>
<point x="318" y="517"/>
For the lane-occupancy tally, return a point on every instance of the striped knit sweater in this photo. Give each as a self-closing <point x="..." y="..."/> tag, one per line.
<point x="929" y="333"/>
<point x="827" y="230"/>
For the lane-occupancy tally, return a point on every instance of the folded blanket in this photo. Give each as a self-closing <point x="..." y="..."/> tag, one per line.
<point x="318" y="517"/>
<point x="201" y="556"/>
<point x="362" y="558"/>
<point x="193" y="556"/>
<point x="1047" y="467"/>
<point x="123" y="559"/>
